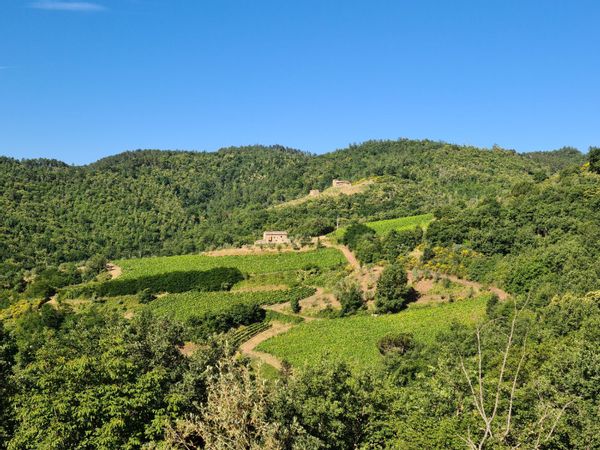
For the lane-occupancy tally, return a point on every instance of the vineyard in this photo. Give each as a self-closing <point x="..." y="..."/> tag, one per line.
<point x="324" y="258"/>
<point x="242" y="334"/>
<point x="354" y="339"/>
<point x="382" y="227"/>
<point x="194" y="304"/>
<point x="403" y="223"/>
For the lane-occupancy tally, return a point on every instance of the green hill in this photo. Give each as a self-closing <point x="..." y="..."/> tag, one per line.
<point x="152" y="202"/>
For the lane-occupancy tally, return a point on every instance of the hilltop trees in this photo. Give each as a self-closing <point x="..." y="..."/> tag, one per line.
<point x="525" y="376"/>
<point x="157" y="203"/>
<point x="594" y="159"/>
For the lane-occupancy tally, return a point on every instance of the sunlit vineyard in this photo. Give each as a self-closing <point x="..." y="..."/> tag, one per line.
<point x="383" y="227"/>
<point x="284" y="261"/>
<point x="354" y="339"/>
<point x="190" y="304"/>
<point x="244" y="333"/>
<point x="400" y="224"/>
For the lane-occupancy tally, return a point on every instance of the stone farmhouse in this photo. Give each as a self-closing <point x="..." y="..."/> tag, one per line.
<point x="340" y="183"/>
<point x="274" y="237"/>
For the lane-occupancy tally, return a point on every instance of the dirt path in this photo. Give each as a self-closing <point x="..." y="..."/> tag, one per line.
<point x="502" y="295"/>
<point x="248" y="347"/>
<point x="366" y="277"/>
<point x="256" y="250"/>
<point x="284" y="308"/>
<point x="347" y="254"/>
<point x="114" y="270"/>
<point x="316" y="302"/>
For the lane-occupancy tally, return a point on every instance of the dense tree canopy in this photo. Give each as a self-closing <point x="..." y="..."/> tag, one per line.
<point x="542" y="236"/>
<point x="158" y="202"/>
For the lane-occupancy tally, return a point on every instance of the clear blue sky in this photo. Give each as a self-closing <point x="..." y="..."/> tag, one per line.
<point x="82" y="80"/>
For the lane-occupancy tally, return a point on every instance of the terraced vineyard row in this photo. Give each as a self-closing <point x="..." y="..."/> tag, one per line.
<point x="242" y="334"/>
<point x="354" y="339"/>
<point x="382" y="227"/>
<point x="190" y="304"/>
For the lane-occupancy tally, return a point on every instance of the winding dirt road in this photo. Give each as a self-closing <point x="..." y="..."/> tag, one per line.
<point x="502" y="295"/>
<point x="318" y="301"/>
<point x="248" y="347"/>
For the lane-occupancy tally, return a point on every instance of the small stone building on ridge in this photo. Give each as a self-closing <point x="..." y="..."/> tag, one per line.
<point x="274" y="237"/>
<point x="340" y="183"/>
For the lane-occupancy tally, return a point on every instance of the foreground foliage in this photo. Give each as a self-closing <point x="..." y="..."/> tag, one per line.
<point x="519" y="376"/>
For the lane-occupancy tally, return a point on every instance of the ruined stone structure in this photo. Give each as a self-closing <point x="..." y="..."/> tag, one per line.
<point x="341" y="183"/>
<point x="274" y="237"/>
<point x="314" y="192"/>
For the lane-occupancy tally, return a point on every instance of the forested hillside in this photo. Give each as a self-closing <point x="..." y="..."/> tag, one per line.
<point x="164" y="202"/>
<point x="542" y="237"/>
<point x="471" y="325"/>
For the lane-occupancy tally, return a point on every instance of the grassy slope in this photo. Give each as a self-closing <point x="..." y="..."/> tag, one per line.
<point x="400" y="224"/>
<point x="188" y="304"/>
<point x="383" y="227"/>
<point x="354" y="339"/>
<point x="269" y="280"/>
<point x="324" y="258"/>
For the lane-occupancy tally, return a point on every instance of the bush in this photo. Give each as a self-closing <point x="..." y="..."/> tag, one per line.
<point x="392" y="290"/>
<point x="398" y="343"/>
<point x="428" y="254"/>
<point x="368" y="249"/>
<point x="401" y="242"/>
<point x="351" y="298"/>
<point x="355" y="232"/>
<point x="41" y="288"/>
<point x="491" y="305"/>
<point x="295" y="304"/>
<point x="146" y="296"/>
<point x="202" y="327"/>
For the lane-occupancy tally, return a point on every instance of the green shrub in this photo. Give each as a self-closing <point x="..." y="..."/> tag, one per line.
<point x="295" y="304"/>
<point x="201" y="327"/>
<point x="392" y="289"/>
<point x="355" y="232"/>
<point x="351" y="298"/>
<point x="399" y="343"/>
<point x="146" y="296"/>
